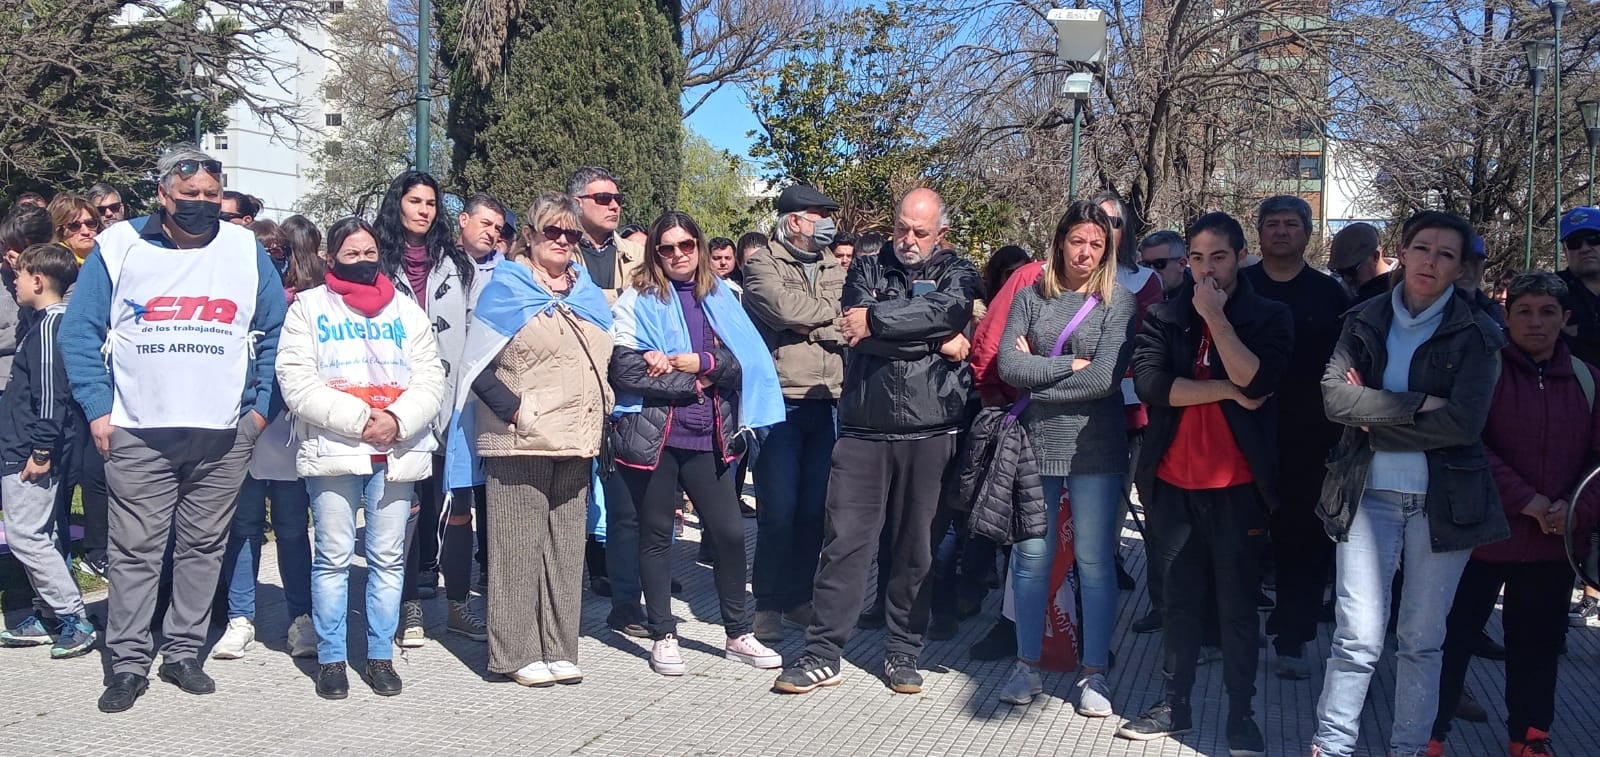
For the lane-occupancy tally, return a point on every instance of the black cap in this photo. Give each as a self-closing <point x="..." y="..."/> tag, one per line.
<point x="801" y="196"/>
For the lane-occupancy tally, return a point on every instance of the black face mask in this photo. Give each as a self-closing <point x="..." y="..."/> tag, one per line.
<point x="196" y="217"/>
<point x="363" y="272"/>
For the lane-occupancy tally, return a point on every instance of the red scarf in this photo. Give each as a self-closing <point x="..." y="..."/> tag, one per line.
<point x="366" y="299"/>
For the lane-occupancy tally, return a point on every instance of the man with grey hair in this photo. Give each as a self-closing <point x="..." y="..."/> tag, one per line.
<point x="1163" y="252"/>
<point x="169" y="341"/>
<point x="610" y="259"/>
<point x="1304" y="555"/>
<point x="792" y="289"/>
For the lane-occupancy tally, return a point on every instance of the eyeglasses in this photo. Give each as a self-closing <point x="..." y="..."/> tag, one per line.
<point x="552" y="233"/>
<point x="76" y="226"/>
<point x="1159" y="264"/>
<point x="669" y="251"/>
<point x="1579" y="241"/>
<point x="604" y="198"/>
<point x="112" y="209"/>
<point x="230" y="217"/>
<point x="187" y="168"/>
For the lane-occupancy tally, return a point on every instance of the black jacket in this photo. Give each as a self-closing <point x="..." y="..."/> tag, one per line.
<point x="636" y="439"/>
<point x="1459" y="363"/>
<point x="998" y="480"/>
<point x="1585" y="317"/>
<point x="37" y="411"/>
<point x="896" y="384"/>
<point x="1164" y="351"/>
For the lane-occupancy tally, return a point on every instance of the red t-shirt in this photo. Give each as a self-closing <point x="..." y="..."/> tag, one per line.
<point x="1204" y="454"/>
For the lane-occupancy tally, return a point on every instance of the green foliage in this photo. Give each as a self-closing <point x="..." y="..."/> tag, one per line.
<point x="584" y="82"/>
<point x="715" y="189"/>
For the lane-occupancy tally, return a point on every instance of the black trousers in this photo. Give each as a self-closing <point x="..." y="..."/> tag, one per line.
<point x="1535" y="621"/>
<point x="91" y="476"/>
<point x="1302" y="552"/>
<point x="1212" y="544"/>
<point x="872" y="483"/>
<point x="656" y="493"/>
<point x="422" y="530"/>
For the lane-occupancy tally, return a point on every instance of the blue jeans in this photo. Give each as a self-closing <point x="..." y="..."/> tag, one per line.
<point x="1095" y="501"/>
<point x="291" y="519"/>
<point x="334" y="502"/>
<point x="1388" y="528"/>
<point x="791" y="493"/>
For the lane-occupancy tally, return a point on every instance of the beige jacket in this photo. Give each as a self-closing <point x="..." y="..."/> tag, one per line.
<point x="557" y="365"/>
<point x="780" y="299"/>
<point x="630" y="258"/>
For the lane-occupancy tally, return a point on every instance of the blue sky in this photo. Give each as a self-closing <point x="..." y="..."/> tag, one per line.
<point x="724" y="120"/>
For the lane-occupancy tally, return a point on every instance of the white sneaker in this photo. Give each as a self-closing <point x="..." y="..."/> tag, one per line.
<point x="303" y="637"/>
<point x="1023" y="686"/>
<point x="565" y="672"/>
<point x="534" y="674"/>
<point x="665" y="658"/>
<point x="748" y="650"/>
<point x="1094" y="696"/>
<point x="235" y="641"/>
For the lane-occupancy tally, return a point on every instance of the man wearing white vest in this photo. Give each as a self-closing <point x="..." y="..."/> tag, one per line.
<point x="169" y="342"/>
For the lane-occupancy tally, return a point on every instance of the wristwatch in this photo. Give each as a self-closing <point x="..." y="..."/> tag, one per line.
<point x="41" y="457"/>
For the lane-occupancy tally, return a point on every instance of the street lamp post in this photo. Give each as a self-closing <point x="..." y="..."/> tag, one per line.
<point x="1558" y="12"/>
<point x="1076" y="87"/>
<point x="1538" y="53"/>
<point x="1080" y="38"/>
<point x="1590" y="110"/>
<point x="424" y="135"/>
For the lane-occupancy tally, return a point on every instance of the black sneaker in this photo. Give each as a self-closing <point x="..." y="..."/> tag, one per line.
<point x="808" y="674"/>
<point x="999" y="644"/>
<point x="1159" y="721"/>
<point x="187" y="675"/>
<point x="1244" y="737"/>
<point x="900" y="670"/>
<point x="96" y="565"/>
<point x="1150" y="623"/>
<point x="332" y="683"/>
<point x="628" y="619"/>
<point x="943" y="628"/>
<point x="382" y="678"/>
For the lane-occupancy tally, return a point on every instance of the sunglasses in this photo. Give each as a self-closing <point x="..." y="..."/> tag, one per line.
<point x="187" y="168"/>
<point x="1579" y="241"/>
<point x="686" y="247"/>
<point x="115" y="207"/>
<point x="605" y="198"/>
<point x="230" y="217"/>
<point x="552" y="233"/>
<point x="1159" y="264"/>
<point x="76" y="226"/>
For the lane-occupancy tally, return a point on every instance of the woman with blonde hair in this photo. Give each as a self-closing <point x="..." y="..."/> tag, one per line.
<point x="1067" y="342"/>
<point x="76" y="224"/>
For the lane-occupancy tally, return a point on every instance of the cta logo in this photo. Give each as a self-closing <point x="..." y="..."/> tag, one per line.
<point x="184" y="309"/>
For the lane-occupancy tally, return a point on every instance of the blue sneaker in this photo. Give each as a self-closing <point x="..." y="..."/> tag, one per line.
<point x="77" y="638"/>
<point x="35" y="630"/>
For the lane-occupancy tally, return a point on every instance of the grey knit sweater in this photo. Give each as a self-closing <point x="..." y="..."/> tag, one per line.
<point x="1075" y="422"/>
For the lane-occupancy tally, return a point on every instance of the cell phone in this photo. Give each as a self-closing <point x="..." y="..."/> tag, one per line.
<point x="922" y="287"/>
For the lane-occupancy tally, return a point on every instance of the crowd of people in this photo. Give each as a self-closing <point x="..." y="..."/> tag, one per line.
<point x="545" y="393"/>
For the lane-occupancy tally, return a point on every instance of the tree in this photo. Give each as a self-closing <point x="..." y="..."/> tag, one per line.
<point x="88" y="95"/>
<point x="730" y="42"/>
<point x="375" y="84"/>
<point x="539" y="88"/>
<point x="715" y="189"/>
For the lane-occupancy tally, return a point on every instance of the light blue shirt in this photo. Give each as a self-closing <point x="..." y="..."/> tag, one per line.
<point x="1405" y="471"/>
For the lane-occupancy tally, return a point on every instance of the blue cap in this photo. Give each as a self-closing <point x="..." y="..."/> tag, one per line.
<point x="1580" y="219"/>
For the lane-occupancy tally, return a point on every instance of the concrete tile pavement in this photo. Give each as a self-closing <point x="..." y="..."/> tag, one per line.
<point x="265" y="704"/>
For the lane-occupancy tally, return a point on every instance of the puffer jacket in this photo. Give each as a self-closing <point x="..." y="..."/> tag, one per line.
<point x="781" y="298"/>
<point x="1458" y="363"/>
<point x="897" y="385"/>
<point x="998" y="480"/>
<point x="638" y="438"/>
<point x="322" y="410"/>
<point x="555" y="369"/>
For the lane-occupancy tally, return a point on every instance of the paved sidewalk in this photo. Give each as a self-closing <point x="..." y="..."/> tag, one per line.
<point x="265" y="703"/>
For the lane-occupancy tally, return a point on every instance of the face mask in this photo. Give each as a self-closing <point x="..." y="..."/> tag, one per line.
<point x="363" y="272"/>
<point x="823" y="231"/>
<point x="196" y="217"/>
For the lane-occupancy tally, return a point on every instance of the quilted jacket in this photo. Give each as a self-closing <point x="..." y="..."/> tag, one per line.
<point x="999" y="480"/>
<point x="637" y="438"/>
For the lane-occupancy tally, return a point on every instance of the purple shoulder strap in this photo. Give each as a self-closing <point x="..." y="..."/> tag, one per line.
<point x="1061" y="343"/>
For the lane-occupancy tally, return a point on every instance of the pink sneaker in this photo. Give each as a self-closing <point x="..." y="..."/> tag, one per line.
<point x="750" y="651"/>
<point x="665" y="657"/>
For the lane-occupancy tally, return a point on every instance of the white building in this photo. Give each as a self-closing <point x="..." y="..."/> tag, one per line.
<point x="1351" y="193"/>
<point x="270" y="162"/>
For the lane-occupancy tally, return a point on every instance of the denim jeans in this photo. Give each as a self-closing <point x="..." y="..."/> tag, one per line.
<point x="334" y="502"/>
<point x="1095" y="500"/>
<point x="791" y="492"/>
<point x="291" y="519"/>
<point x="1388" y="528"/>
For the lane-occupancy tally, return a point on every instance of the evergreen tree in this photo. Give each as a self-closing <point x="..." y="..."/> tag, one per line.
<point x="541" y="87"/>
